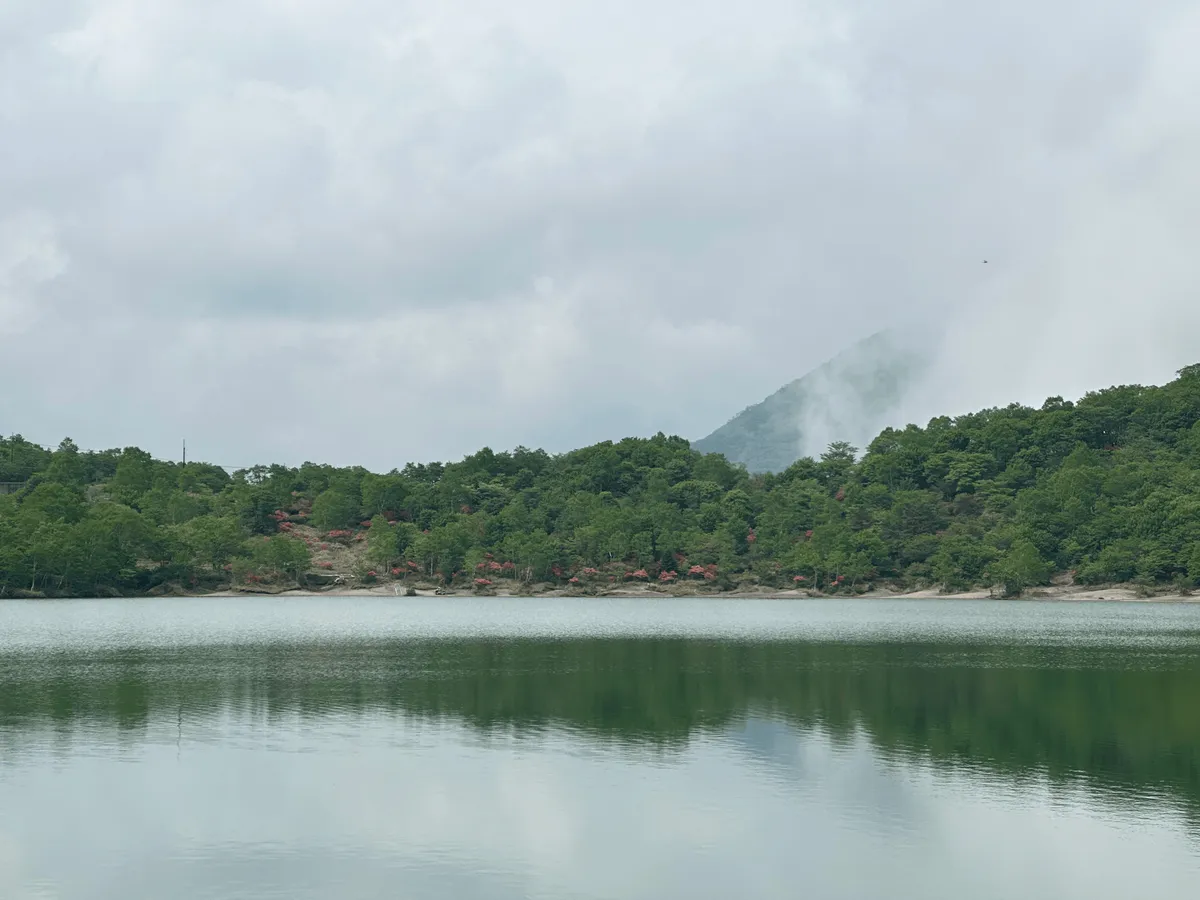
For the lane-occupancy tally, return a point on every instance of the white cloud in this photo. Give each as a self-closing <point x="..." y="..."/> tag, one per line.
<point x="284" y="209"/>
<point x="29" y="258"/>
<point x="1114" y="296"/>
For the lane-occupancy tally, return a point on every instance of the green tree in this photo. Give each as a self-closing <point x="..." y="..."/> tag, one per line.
<point x="1194" y="564"/>
<point x="52" y="502"/>
<point x="384" y="494"/>
<point x="212" y="541"/>
<point x="281" y="555"/>
<point x="134" y="476"/>
<point x="67" y="465"/>
<point x="334" y="509"/>
<point x="1020" y="568"/>
<point x="255" y="506"/>
<point x="382" y="547"/>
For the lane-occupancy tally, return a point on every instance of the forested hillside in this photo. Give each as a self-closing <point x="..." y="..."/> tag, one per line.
<point x="1107" y="489"/>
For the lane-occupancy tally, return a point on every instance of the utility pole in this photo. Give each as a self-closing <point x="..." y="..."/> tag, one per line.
<point x="185" y="451"/>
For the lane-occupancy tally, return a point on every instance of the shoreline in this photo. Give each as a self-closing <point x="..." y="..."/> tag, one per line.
<point x="1066" y="594"/>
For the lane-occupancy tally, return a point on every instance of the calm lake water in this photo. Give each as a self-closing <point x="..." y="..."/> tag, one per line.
<point x="495" y="748"/>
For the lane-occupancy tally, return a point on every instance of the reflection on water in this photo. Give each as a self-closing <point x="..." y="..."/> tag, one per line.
<point x="603" y="750"/>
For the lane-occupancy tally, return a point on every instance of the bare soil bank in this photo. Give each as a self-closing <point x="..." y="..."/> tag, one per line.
<point x="1115" y="593"/>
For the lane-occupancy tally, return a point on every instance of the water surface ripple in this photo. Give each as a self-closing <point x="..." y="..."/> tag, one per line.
<point x="554" y="748"/>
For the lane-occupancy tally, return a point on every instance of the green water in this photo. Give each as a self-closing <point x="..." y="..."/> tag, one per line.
<point x="496" y="748"/>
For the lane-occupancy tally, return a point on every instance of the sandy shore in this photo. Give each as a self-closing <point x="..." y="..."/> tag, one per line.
<point x="1116" y="593"/>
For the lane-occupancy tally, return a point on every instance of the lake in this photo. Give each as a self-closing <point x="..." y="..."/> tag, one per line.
<point x="508" y="748"/>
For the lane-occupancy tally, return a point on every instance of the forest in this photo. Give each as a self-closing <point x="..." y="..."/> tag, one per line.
<point x="1104" y="490"/>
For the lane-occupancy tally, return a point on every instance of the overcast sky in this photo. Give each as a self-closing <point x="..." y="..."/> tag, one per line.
<point x="374" y="231"/>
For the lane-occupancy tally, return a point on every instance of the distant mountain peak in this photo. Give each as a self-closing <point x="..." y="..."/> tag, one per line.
<point x="850" y="397"/>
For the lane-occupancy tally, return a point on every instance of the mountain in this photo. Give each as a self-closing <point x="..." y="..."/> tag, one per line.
<point x="850" y="397"/>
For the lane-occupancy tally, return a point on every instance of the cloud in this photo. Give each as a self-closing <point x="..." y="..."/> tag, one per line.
<point x="1114" y="296"/>
<point x="30" y="256"/>
<point x="373" y="231"/>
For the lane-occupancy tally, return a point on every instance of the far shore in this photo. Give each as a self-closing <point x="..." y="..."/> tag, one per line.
<point x="1116" y="593"/>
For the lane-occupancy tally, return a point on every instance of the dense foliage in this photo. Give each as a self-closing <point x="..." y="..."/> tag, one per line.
<point x="1107" y="488"/>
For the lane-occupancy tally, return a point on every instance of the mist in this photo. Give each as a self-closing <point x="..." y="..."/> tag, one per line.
<point x="1104" y="291"/>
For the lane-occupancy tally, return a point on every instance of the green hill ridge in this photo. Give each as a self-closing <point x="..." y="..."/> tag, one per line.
<point x="1101" y="491"/>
